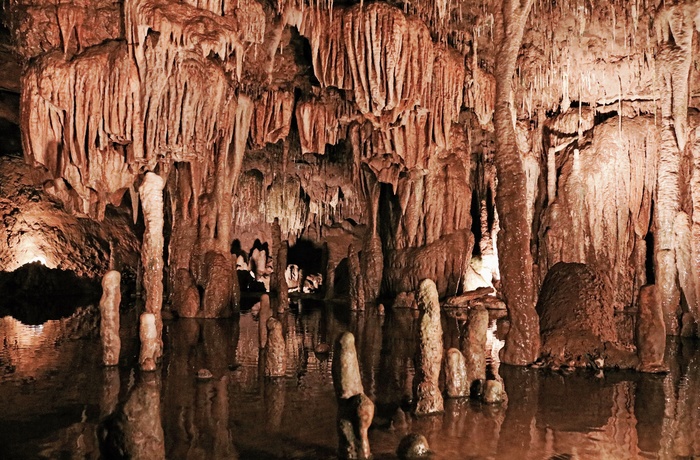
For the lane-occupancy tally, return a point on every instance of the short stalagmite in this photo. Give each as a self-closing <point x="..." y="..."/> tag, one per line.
<point x="150" y="345"/>
<point x="456" y="383"/>
<point x="494" y="392"/>
<point x="355" y="409"/>
<point x="345" y="368"/>
<point x="151" y="194"/>
<point x="474" y="345"/>
<point x="428" y="399"/>
<point x="275" y="351"/>
<point x="264" y="314"/>
<point x="109" y="317"/>
<point x="651" y="332"/>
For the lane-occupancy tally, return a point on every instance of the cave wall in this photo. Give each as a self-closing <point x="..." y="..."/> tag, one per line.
<point x="381" y="125"/>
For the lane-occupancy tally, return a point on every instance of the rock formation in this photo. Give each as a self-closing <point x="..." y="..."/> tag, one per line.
<point x="651" y="331"/>
<point x="474" y="345"/>
<point x="109" y="317"/>
<point x="150" y="343"/>
<point x="275" y="350"/>
<point x="427" y="394"/>
<point x="456" y="382"/>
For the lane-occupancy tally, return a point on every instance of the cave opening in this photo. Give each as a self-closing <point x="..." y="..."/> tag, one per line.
<point x="305" y="267"/>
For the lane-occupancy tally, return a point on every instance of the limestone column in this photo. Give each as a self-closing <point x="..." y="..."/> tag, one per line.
<point x="109" y="317"/>
<point x="650" y="334"/>
<point x="150" y="346"/>
<point x="357" y="294"/>
<point x="151" y="194"/>
<point x="456" y="383"/>
<point x="427" y="395"/>
<point x="474" y="345"/>
<point x="280" y="283"/>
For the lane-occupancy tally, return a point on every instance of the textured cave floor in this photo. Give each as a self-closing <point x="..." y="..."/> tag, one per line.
<point x="54" y="393"/>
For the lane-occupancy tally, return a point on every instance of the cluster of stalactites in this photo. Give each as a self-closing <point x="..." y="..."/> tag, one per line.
<point x="407" y="88"/>
<point x="80" y="121"/>
<point x="185" y="26"/>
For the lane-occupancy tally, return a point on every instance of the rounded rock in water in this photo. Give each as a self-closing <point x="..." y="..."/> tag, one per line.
<point x="413" y="446"/>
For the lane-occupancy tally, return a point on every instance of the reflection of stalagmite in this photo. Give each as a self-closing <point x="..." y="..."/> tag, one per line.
<point x="150" y="345"/>
<point x="428" y="398"/>
<point x="136" y="432"/>
<point x="264" y="314"/>
<point x="651" y="333"/>
<point x="275" y="350"/>
<point x="456" y="384"/>
<point x="275" y="393"/>
<point x="109" y="317"/>
<point x="110" y="390"/>
<point x="474" y="345"/>
<point x="151" y="194"/>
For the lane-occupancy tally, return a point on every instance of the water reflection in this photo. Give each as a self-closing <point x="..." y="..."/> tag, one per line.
<point x="57" y="401"/>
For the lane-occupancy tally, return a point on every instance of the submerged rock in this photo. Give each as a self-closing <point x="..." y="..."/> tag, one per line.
<point x="413" y="446"/>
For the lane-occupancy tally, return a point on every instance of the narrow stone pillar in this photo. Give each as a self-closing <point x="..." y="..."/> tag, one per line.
<point x="427" y="395"/>
<point x="264" y="314"/>
<point x="151" y="194"/>
<point x="109" y="317"/>
<point x="651" y="331"/>
<point x="357" y="291"/>
<point x="474" y="345"/>
<point x="148" y="333"/>
<point x="456" y="383"/>
<point x="345" y="368"/>
<point x="280" y="284"/>
<point x="355" y="409"/>
<point x="275" y="351"/>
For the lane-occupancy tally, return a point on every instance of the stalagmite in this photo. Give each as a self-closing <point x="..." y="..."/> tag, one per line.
<point x="275" y="350"/>
<point x="280" y="281"/>
<point x="355" y="409"/>
<point x="346" y="370"/>
<point x="474" y="345"/>
<point x="109" y="317"/>
<point x="456" y="383"/>
<point x="357" y="291"/>
<point x="427" y="395"/>
<point x="651" y="333"/>
<point x="150" y="343"/>
<point x="151" y="193"/>
<point x="493" y="392"/>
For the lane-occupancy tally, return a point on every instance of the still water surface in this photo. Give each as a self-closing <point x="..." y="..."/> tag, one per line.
<point x="55" y="395"/>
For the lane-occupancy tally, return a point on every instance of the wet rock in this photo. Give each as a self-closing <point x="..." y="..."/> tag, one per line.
<point x="280" y="281"/>
<point x="399" y="421"/>
<point x="204" y="374"/>
<point x="380" y="309"/>
<point x="413" y="446"/>
<point x="275" y="351"/>
<point x="150" y="346"/>
<point x="493" y="392"/>
<point x="185" y="294"/>
<point x="651" y="332"/>
<point x="427" y="395"/>
<point x="345" y="368"/>
<point x="109" y="317"/>
<point x="219" y="277"/>
<point x="474" y="344"/>
<point x="355" y="416"/>
<point x="264" y="314"/>
<point x="456" y="383"/>
<point x="576" y="318"/>
<point x="405" y="300"/>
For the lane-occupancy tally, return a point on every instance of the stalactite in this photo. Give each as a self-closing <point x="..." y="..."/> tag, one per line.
<point x="272" y="118"/>
<point x="674" y="30"/>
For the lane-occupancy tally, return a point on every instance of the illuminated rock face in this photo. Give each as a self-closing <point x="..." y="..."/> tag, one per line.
<point x="380" y="127"/>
